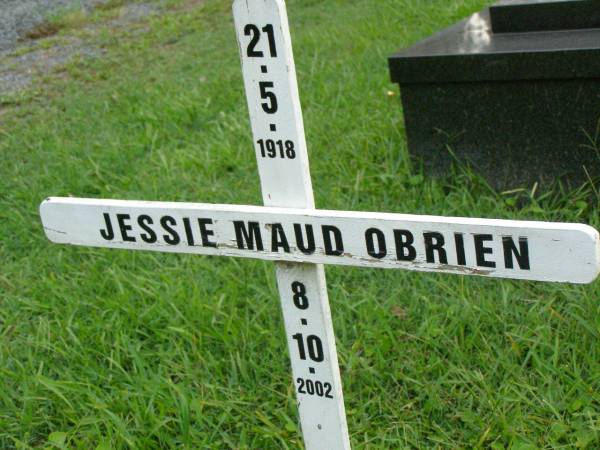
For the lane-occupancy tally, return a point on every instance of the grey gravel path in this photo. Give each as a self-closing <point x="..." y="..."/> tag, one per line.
<point x="22" y="61"/>
<point x="19" y="16"/>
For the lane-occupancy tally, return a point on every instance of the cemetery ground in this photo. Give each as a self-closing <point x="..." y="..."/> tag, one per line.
<point x="113" y="349"/>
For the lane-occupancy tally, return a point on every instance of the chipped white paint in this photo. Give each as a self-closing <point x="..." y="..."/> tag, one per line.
<point x="541" y="251"/>
<point x="285" y="181"/>
<point x="278" y="130"/>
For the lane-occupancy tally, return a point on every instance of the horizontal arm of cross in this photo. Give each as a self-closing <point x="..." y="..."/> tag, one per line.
<point x="525" y="250"/>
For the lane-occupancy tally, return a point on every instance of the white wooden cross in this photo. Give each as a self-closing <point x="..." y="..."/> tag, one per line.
<point x="299" y="238"/>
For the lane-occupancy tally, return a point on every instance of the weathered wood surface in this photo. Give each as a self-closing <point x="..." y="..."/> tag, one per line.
<point x="495" y="248"/>
<point x="271" y="88"/>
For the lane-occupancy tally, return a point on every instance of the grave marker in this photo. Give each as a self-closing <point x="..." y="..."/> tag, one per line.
<point x="486" y="247"/>
<point x="289" y="231"/>
<point x="274" y="104"/>
<point x="511" y="90"/>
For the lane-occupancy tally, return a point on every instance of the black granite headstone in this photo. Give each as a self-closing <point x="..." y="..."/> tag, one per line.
<point x="521" y="107"/>
<point x="514" y="16"/>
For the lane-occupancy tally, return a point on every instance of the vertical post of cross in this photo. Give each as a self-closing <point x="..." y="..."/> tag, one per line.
<point x="277" y="126"/>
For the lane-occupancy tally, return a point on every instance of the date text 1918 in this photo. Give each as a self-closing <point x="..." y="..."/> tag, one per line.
<point x="268" y="148"/>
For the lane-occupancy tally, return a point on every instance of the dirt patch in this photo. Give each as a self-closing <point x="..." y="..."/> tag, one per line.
<point x="18" y="17"/>
<point x="38" y="53"/>
<point x="191" y="4"/>
<point x="19" y="72"/>
<point x="43" y="30"/>
<point x="12" y="81"/>
<point x="111" y="4"/>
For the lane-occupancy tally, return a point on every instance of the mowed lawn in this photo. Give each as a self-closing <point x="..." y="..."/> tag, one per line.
<point x="105" y="349"/>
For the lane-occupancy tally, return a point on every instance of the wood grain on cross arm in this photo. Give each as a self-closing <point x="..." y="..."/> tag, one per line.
<point x="543" y="251"/>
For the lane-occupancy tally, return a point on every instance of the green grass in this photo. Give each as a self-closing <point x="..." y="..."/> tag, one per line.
<point x="104" y="349"/>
